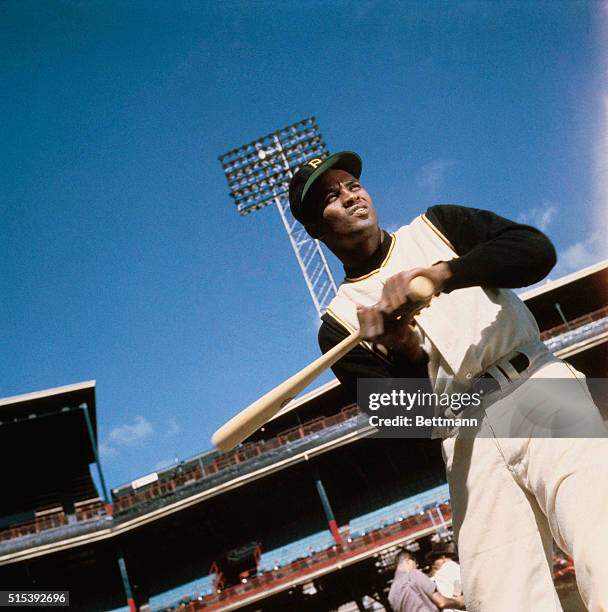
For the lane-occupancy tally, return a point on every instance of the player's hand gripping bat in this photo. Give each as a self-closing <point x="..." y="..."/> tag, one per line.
<point x="262" y="410"/>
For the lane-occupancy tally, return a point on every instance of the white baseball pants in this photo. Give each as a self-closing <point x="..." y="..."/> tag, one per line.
<point x="512" y="496"/>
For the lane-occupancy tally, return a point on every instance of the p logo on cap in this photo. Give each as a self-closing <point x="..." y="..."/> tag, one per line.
<point x="315" y="162"/>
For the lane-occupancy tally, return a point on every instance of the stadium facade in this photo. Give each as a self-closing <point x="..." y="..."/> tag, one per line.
<point x="307" y="514"/>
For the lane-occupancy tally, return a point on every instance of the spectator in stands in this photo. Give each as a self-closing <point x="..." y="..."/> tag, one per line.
<point x="413" y="591"/>
<point x="445" y="572"/>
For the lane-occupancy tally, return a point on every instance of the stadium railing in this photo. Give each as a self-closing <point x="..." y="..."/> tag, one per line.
<point x="202" y="595"/>
<point x="248" y="457"/>
<point x="399" y="510"/>
<point x="576" y="330"/>
<point x="54" y="518"/>
<point x="430" y="510"/>
<point x="50" y="518"/>
<point x="331" y="556"/>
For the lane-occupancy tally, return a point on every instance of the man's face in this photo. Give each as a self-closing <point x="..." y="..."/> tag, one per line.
<point x="346" y="209"/>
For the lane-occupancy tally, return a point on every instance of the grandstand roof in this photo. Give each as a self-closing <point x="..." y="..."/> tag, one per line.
<point x="551" y="285"/>
<point x="577" y="294"/>
<point x="315" y="393"/>
<point x="45" y="448"/>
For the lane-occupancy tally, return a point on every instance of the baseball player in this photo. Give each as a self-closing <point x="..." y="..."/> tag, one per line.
<point x="510" y="495"/>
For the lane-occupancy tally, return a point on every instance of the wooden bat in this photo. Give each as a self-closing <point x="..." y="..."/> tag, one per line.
<point x="262" y="410"/>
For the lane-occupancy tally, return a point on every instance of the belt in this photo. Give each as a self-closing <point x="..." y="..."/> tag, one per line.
<point x="489" y="381"/>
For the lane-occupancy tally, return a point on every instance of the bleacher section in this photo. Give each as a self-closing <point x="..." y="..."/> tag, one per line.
<point x="183" y="594"/>
<point x="54" y="518"/>
<point x="577" y="330"/>
<point x="294" y="551"/>
<point x="429" y="509"/>
<point x="418" y="504"/>
<point x="217" y="468"/>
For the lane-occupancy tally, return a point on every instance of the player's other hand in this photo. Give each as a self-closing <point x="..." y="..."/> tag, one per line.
<point x="396" y="297"/>
<point x="395" y="333"/>
<point x="388" y="321"/>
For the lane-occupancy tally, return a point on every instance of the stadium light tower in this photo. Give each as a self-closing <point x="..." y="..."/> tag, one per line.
<point x="258" y="174"/>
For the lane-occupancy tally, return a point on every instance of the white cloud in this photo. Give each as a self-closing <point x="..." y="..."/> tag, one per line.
<point x="539" y="216"/>
<point x="163" y="463"/>
<point x="432" y="175"/>
<point x="131" y="434"/>
<point x="106" y="451"/>
<point x="172" y="427"/>
<point x="581" y="254"/>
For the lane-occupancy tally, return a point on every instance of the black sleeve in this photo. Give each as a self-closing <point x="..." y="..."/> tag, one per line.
<point x="493" y="251"/>
<point x="360" y="362"/>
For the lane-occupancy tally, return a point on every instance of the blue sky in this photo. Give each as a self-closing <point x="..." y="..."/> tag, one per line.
<point x="124" y="259"/>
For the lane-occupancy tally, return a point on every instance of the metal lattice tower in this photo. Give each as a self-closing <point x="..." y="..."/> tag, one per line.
<point x="258" y="174"/>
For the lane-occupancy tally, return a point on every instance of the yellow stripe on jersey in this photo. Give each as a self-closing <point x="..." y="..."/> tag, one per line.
<point x="349" y="328"/>
<point x="384" y="262"/>
<point x="438" y="233"/>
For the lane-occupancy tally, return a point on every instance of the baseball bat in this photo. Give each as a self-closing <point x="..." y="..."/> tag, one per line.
<point x="262" y="410"/>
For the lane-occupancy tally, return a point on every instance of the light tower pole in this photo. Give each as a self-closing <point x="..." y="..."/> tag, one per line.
<point x="258" y="174"/>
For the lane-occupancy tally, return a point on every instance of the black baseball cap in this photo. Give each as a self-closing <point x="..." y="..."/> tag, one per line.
<point x="303" y="179"/>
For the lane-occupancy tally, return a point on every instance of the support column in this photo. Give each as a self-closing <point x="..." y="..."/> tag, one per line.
<point x="444" y="528"/>
<point x="106" y="498"/>
<point x="561" y="314"/>
<point x="329" y="515"/>
<point x="126" y="584"/>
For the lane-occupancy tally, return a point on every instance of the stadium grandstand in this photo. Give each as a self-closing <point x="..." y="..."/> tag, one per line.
<point x="307" y="514"/>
